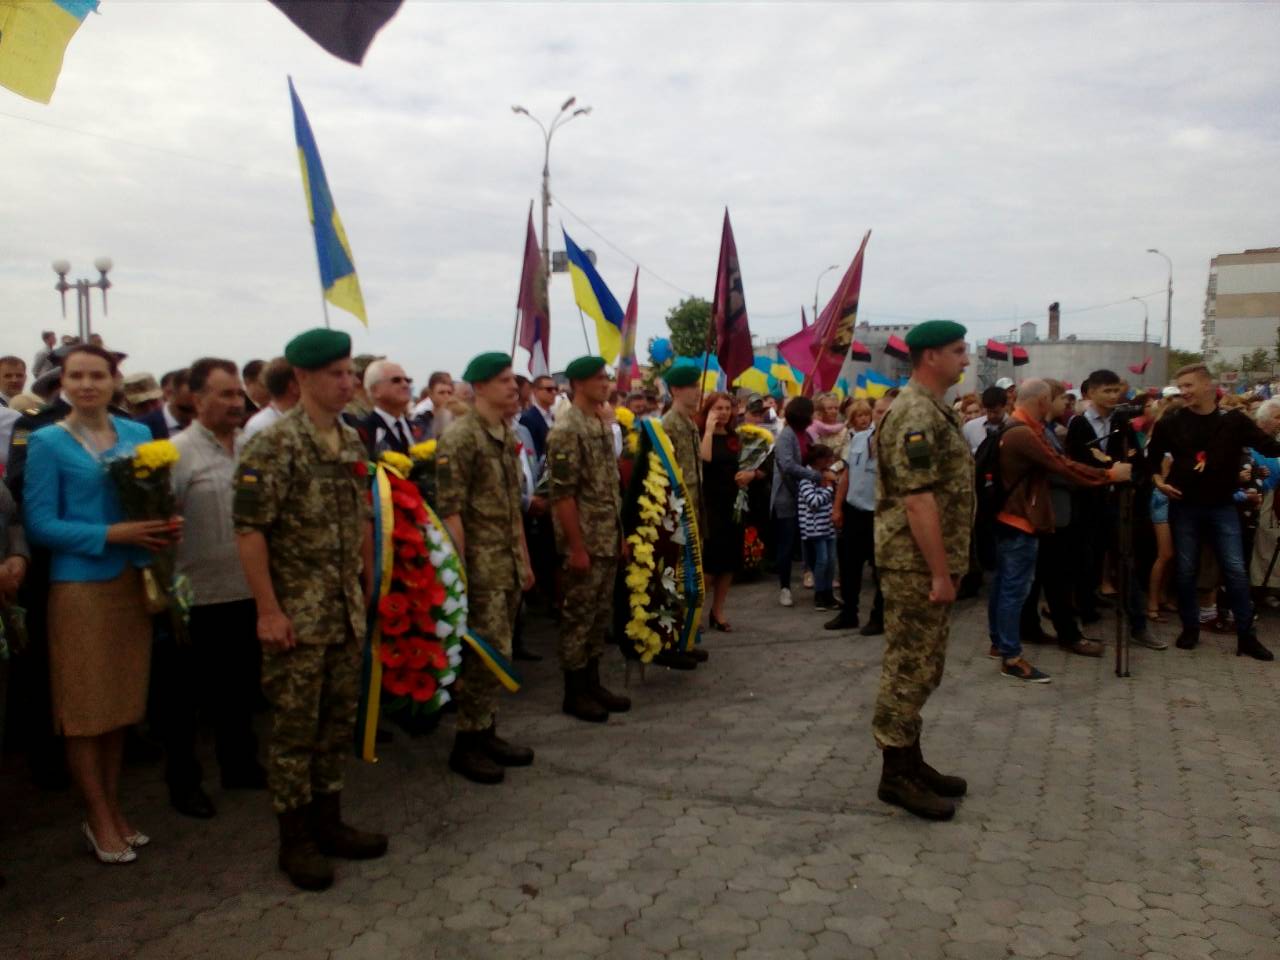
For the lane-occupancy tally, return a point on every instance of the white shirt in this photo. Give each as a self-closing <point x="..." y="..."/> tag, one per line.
<point x="1101" y="425"/>
<point x="257" y="423"/>
<point x="171" y="422"/>
<point x="975" y="431"/>
<point x="204" y="484"/>
<point x="548" y="414"/>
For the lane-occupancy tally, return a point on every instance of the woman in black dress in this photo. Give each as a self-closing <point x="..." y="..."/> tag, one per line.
<point x="721" y="481"/>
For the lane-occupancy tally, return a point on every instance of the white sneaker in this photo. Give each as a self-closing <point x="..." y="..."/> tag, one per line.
<point x="784" y="598"/>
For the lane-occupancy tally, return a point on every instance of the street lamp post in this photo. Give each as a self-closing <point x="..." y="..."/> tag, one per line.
<point x="1168" y="306"/>
<point x="1146" y="314"/>
<point x="548" y="131"/>
<point x="84" y="322"/>
<point x="834" y="266"/>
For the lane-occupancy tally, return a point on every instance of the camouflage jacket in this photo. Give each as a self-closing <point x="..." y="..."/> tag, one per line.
<point x="921" y="448"/>
<point x="312" y="506"/>
<point x="478" y="479"/>
<point x="582" y="466"/>
<point x="686" y="441"/>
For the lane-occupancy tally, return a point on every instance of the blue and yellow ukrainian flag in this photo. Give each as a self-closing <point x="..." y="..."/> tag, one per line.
<point x="337" y="269"/>
<point x="595" y="300"/>
<point x="33" y="39"/>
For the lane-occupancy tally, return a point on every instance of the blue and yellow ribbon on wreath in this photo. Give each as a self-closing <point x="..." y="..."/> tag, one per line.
<point x="691" y="551"/>
<point x="371" y="662"/>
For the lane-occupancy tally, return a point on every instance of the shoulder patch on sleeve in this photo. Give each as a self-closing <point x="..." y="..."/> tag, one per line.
<point x="919" y="452"/>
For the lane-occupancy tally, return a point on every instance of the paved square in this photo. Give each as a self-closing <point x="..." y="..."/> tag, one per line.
<point x="732" y="813"/>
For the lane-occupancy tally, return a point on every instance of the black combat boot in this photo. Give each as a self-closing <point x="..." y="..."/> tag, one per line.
<point x="1188" y="639"/>
<point x="1248" y="646"/>
<point x="300" y="858"/>
<point x="612" y="702"/>
<point x="503" y="753"/>
<point x="471" y="758"/>
<point x="338" y="839"/>
<point x="899" y="786"/>
<point x="578" y="701"/>
<point x="940" y="783"/>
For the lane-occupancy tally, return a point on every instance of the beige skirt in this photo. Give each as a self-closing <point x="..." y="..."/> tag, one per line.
<point x="99" y="654"/>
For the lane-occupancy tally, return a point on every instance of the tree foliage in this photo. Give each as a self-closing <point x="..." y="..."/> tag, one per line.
<point x="689" y="321"/>
<point x="1183" y="358"/>
<point x="1259" y="359"/>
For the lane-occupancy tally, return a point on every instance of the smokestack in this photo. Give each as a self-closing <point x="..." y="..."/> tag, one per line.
<point x="1053" y="321"/>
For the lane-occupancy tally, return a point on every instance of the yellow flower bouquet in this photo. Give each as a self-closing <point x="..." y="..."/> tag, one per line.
<point x="144" y="484"/>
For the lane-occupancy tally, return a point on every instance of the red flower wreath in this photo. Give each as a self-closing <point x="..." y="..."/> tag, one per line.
<point x="360" y="469"/>
<point x="392" y="655"/>
<point x="398" y="682"/>
<point x="395" y="626"/>
<point x="422" y="687"/>
<point x="393" y="605"/>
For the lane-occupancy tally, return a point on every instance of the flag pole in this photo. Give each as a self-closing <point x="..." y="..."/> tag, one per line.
<point x="324" y="305"/>
<point x="585" y="338"/>
<point x="515" y="333"/>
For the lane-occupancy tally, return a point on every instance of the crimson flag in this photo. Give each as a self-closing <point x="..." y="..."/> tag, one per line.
<point x="859" y="353"/>
<point x="729" y="310"/>
<point x="997" y="350"/>
<point x="627" y="356"/>
<point x="1020" y="357"/>
<point x="531" y="305"/>
<point x="833" y="330"/>
<point x="1140" y="368"/>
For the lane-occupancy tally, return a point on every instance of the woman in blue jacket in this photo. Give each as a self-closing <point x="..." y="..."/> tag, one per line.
<point x="99" y="629"/>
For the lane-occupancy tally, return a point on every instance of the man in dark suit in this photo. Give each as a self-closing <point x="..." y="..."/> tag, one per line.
<point x="538" y="419"/>
<point x="176" y="413"/>
<point x="388" y="427"/>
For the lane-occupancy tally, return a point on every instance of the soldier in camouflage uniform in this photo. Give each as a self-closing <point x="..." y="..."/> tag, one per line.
<point x="586" y="505"/>
<point x="478" y="479"/>
<point x="924" y="513"/>
<point x="305" y="540"/>
<point x="683" y="380"/>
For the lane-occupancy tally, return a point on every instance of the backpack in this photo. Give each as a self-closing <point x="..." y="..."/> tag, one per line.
<point x="988" y="479"/>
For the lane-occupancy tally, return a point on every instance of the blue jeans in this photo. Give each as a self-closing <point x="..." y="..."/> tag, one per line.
<point x="1015" y="572"/>
<point x="1221" y="525"/>
<point x="824" y="563"/>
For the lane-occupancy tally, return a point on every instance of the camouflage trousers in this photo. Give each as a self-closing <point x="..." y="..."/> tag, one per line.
<point x="915" y="650"/>
<point x="491" y="614"/>
<point x="314" y="690"/>
<point x="587" y="613"/>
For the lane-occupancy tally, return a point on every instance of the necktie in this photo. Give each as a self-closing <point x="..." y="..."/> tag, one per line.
<point x="402" y="443"/>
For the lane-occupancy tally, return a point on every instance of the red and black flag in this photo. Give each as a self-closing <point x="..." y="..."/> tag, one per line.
<point x="729" y="310"/>
<point x="997" y="350"/>
<point x="897" y="347"/>
<point x="1020" y="357"/>
<point x="1140" y="368"/>
<point x="343" y="27"/>
<point x="859" y="353"/>
<point x="534" y="329"/>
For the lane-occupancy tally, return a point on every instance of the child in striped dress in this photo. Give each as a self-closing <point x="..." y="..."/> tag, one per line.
<point x="818" y="533"/>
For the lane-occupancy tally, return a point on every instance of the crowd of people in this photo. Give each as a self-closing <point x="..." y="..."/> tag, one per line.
<point x="1158" y="502"/>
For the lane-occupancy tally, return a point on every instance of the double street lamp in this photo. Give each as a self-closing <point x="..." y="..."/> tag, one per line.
<point x="84" y="323"/>
<point x="1168" y="308"/>
<point x="548" y="131"/>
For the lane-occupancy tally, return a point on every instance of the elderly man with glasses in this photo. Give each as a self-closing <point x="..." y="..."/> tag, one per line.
<point x="388" y="427"/>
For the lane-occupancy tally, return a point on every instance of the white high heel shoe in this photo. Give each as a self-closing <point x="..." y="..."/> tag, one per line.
<point x="138" y="839"/>
<point x="124" y="856"/>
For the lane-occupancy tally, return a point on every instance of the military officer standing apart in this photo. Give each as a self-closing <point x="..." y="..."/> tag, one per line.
<point x="924" y="512"/>
<point x="683" y="380"/>
<point x="306" y="543"/>
<point x="478" y="480"/>
<point x="586" y="505"/>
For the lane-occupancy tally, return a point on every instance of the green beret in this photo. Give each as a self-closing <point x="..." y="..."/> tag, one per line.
<point x="934" y="333"/>
<point x="486" y="367"/>
<point x="317" y="348"/>
<point x="682" y="375"/>
<point x="584" y="368"/>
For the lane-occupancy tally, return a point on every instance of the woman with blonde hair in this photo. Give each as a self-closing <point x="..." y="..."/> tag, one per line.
<point x="827" y="427"/>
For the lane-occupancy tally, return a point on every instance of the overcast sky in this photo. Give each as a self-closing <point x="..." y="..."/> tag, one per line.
<point x="1004" y="155"/>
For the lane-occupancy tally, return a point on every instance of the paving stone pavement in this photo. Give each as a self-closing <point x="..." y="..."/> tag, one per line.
<point x="732" y="814"/>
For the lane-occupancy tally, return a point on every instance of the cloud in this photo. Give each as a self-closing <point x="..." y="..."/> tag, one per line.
<point x="1005" y="157"/>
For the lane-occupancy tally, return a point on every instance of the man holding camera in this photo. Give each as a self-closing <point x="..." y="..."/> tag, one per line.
<point x="1207" y="445"/>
